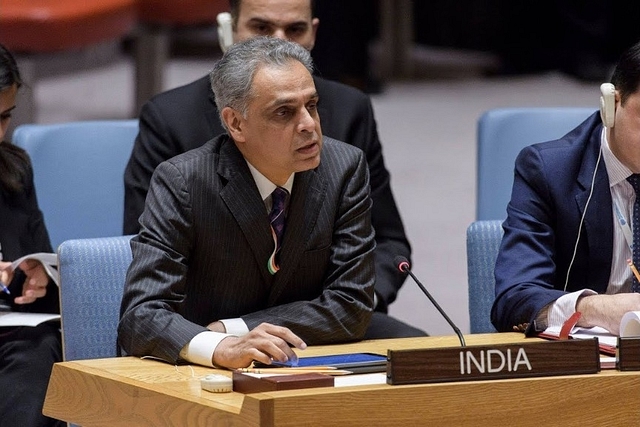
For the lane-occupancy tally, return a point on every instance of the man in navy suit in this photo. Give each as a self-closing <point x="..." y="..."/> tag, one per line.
<point x="186" y="117"/>
<point x="211" y="282"/>
<point x="567" y="236"/>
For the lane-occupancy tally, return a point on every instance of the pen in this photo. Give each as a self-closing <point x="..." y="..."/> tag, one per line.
<point x="634" y="269"/>
<point x="2" y="285"/>
<point x="306" y="368"/>
<point x="293" y="371"/>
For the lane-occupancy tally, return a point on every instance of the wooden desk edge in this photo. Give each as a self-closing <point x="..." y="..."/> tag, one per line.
<point x="112" y="391"/>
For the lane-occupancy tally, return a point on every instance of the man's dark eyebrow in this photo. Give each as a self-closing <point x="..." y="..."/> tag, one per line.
<point x="8" y="110"/>
<point x="286" y="101"/>
<point x="261" y="21"/>
<point x="304" y="24"/>
<point x="254" y="21"/>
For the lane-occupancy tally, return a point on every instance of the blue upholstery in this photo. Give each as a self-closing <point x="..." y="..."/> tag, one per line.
<point x="78" y="173"/>
<point x="483" y="242"/>
<point x="92" y="276"/>
<point x="502" y="133"/>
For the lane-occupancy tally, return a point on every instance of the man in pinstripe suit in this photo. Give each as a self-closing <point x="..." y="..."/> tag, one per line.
<point x="199" y="288"/>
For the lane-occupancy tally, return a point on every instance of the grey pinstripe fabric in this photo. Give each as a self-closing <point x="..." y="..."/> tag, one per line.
<point x="201" y="254"/>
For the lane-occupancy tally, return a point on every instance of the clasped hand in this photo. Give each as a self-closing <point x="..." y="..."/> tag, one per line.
<point x="35" y="285"/>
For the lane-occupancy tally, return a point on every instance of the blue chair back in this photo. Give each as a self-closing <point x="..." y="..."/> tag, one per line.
<point x="92" y="276"/>
<point x="483" y="243"/>
<point x="78" y="174"/>
<point x="502" y="133"/>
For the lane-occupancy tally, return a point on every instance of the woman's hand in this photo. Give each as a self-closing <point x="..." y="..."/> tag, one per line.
<point x="35" y="285"/>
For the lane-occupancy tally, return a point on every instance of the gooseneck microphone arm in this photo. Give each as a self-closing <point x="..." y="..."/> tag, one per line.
<point x="403" y="265"/>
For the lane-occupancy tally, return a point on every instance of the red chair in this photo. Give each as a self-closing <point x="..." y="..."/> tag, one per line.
<point x="158" y="20"/>
<point x="41" y="29"/>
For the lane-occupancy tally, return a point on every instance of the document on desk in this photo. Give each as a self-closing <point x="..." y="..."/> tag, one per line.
<point x="629" y="327"/>
<point x="344" y="380"/>
<point x="361" y="379"/>
<point x="25" y="319"/>
<point x="606" y="341"/>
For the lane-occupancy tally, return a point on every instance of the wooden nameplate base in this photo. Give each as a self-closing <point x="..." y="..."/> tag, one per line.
<point x="629" y="354"/>
<point x="487" y="362"/>
<point x="248" y="383"/>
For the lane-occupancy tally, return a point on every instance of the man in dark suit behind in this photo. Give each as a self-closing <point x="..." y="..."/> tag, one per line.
<point x="184" y="118"/>
<point x="212" y="281"/>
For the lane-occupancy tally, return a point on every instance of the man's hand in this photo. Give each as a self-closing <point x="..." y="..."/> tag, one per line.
<point x="265" y="343"/>
<point x="35" y="285"/>
<point x="606" y="311"/>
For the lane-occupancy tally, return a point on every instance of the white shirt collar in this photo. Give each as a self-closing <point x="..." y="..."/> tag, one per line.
<point x="266" y="187"/>
<point x="615" y="169"/>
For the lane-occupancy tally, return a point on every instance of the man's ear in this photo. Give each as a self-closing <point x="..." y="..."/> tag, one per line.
<point x="233" y="120"/>
<point x="314" y="31"/>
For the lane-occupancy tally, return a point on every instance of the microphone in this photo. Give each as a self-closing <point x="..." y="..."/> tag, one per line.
<point x="403" y="265"/>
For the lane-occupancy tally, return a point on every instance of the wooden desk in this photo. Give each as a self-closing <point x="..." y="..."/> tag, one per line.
<point x="132" y="392"/>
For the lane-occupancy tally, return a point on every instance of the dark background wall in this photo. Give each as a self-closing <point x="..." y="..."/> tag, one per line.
<point x="582" y="38"/>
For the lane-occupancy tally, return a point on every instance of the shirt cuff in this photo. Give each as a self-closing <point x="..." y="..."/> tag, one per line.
<point x="235" y="327"/>
<point x="201" y="347"/>
<point x="564" y="307"/>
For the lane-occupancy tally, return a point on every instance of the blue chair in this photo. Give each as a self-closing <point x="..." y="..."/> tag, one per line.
<point x="78" y="173"/>
<point x="92" y="276"/>
<point x="483" y="242"/>
<point x="502" y="133"/>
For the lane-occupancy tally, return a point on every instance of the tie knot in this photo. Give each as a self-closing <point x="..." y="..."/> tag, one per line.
<point x="278" y="198"/>
<point x="634" y="180"/>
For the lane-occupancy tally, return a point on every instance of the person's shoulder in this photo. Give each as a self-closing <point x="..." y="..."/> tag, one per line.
<point x="338" y="91"/>
<point x="199" y="154"/>
<point x="188" y="92"/>
<point x="573" y="143"/>
<point x="336" y="148"/>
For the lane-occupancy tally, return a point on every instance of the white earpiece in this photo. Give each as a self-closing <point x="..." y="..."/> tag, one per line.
<point x="225" y="34"/>
<point x="608" y="104"/>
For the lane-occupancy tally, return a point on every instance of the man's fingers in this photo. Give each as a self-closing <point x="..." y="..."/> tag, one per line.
<point x="285" y="333"/>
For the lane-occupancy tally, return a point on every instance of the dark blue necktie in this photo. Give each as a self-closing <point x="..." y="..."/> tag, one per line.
<point x="634" y="180"/>
<point x="276" y="218"/>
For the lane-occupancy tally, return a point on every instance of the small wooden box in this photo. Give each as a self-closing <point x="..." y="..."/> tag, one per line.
<point x="247" y="383"/>
<point x="629" y="354"/>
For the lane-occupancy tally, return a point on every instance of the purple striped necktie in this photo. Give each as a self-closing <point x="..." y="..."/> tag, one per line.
<point x="276" y="218"/>
<point x="634" y="180"/>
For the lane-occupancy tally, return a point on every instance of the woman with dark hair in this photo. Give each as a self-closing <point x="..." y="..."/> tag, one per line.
<point x="27" y="353"/>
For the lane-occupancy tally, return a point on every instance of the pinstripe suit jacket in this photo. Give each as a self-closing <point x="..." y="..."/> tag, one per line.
<point x="202" y="251"/>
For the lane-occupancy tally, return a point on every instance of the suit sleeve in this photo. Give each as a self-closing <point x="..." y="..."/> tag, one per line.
<point x="150" y="323"/>
<point x="342" y="311"/>
<point x="391" y="239"/>
<point x="525" y="270"/>
<point x="153" y="145"/>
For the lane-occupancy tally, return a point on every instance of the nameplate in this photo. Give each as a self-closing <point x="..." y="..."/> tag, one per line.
<point x="629" y="354"/>
<point x="488" y="362"/>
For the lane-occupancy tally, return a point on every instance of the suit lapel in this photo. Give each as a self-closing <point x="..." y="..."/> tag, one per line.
<point x="598" y="218"/>
<point x="307" y="196"/>
<point x="243" y="200"/>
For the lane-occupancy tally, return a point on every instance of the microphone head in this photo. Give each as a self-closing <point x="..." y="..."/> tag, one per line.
<point x="401" y="263"/>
